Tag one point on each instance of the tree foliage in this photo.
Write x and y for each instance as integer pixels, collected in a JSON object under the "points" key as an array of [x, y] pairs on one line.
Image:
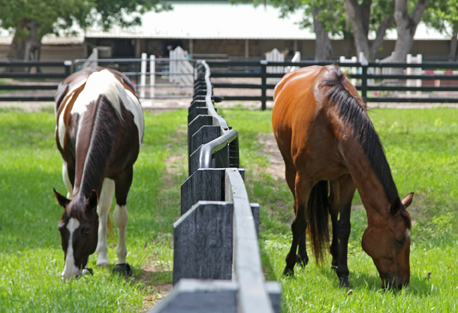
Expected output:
{"points": [[442, 15], [30, 20]]}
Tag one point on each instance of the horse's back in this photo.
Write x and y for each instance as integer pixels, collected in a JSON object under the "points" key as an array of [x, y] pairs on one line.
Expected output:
{"points": [[295, 106], [302, 117], [99, 101]]}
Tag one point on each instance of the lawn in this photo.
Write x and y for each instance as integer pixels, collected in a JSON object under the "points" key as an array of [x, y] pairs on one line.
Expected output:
{"points": [[421, 147], [31, 258]]}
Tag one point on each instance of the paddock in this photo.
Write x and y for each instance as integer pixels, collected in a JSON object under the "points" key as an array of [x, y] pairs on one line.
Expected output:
{"points": [[421, 146]]}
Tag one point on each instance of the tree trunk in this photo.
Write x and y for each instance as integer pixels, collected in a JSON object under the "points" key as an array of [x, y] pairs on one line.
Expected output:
{"points": [[359, 14], [406, 26], [360, 24], [26, 45], [453, 46], [348, 44], [323, 47]]}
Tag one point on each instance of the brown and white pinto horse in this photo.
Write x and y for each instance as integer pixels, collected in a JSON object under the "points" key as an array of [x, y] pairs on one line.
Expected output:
{"points": [[328, 141], [99, 131]]}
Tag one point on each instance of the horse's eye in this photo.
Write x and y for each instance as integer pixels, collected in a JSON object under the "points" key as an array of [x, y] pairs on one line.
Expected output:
{"points": [[399, 242]]}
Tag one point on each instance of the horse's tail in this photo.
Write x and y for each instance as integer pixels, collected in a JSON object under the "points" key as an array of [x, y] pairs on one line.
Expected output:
{"points": [[317, 219]]}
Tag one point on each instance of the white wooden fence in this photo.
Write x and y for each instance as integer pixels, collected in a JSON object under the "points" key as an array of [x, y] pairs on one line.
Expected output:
{"points": [[277, 56]]}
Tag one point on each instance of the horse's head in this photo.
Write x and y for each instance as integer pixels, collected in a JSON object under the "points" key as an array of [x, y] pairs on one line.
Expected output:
{"points": [[78, 228], [388, 244]]}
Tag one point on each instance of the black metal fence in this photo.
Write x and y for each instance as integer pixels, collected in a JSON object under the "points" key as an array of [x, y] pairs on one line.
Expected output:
{"points": [[217, 264], [372, 77], [377, 82], [32, 78]]}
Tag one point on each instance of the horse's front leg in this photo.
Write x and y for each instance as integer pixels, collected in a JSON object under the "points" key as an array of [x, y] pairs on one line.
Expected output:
{"points": [[347, 191], [121, 217], [66, 178], [103, 208]]}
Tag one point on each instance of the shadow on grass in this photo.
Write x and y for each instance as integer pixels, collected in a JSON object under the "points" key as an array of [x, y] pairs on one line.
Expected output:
{"points": [[358, 281]]}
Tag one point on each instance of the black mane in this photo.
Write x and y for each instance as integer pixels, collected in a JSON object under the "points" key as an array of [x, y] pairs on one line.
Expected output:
{"points": [[101, 144], [363, 130]]}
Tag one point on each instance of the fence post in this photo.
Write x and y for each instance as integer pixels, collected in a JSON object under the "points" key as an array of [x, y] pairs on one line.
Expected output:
{"points": [[68, 67], [152, 76], [143, 76], [364, 81], [263, 84]]}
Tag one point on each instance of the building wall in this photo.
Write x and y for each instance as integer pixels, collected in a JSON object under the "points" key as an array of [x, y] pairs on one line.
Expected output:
{"points": [[127, 48], [53, 52]]}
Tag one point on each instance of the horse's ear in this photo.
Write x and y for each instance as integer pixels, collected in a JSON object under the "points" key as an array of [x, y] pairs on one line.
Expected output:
{"points": [[395, 206], [92, 200], [408, 200], [63, 201]]}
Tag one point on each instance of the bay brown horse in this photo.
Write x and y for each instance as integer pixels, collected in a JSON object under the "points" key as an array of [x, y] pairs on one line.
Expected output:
{"points": [[330, 148], [99, 128]]}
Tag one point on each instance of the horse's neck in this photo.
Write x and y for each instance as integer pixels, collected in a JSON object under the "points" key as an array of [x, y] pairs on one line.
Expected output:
{"points": [[370, 188]]}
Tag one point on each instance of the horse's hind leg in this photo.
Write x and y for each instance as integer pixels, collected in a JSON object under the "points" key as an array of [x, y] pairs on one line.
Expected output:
{"points": [[121, 217], [103, 208], [302, 190], [334, 201], [290, 175]]}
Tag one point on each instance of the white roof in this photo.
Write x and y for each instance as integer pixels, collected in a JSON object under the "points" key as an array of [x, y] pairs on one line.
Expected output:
{"points": [[223, 20], [213, 21]]}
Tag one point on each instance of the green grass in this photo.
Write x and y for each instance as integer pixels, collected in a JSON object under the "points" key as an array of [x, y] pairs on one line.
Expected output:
{"points": [[422, 149], [31, 258]]}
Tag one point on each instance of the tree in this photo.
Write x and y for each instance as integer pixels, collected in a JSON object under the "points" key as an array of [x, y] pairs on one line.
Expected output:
{"points": [[443, 16], [30, 20], [366, 16], [323, 16], [406, 26]]}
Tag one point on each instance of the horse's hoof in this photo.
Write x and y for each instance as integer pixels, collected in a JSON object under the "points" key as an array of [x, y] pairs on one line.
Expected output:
{"points": [[123, 269], [344, 283], [87, 271], [288, 272], [301, 262]]}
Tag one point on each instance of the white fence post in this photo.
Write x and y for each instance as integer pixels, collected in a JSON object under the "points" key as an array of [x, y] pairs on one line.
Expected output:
{"points": [[296, 58], [143, 76], [180, 67], [152, 76], [92, 60], [412, 71], [274, 56], [351, 70]]}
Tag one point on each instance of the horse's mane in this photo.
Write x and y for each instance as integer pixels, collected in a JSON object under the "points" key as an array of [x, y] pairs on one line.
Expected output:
{"points": [[355, 115], [101, 142]]}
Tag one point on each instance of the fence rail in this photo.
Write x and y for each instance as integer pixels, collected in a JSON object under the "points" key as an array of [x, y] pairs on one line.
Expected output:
{"points": [[217, 263], [54, 71], [385, 82], [398, 86]]}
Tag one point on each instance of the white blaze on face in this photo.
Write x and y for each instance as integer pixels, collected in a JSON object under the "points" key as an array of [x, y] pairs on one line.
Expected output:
{"points": [[408, 233], [70, 268]]}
